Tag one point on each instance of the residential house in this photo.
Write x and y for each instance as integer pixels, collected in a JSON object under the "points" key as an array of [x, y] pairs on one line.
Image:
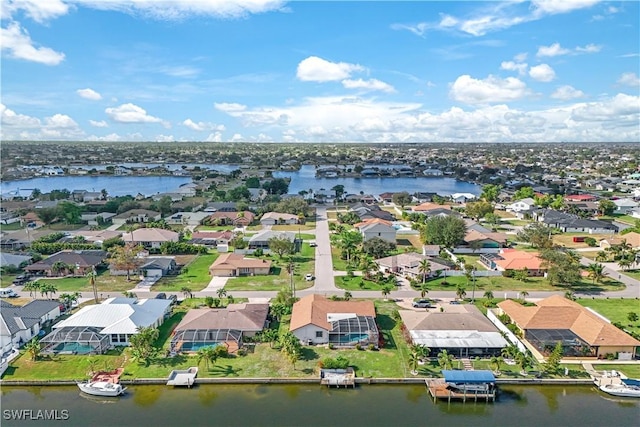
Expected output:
{"points": [[19, 324], [581, 332], [238, 219], [408, 265], [463, 197], [96, 328], [221, 207], [569, 223], [97, 218], [219, 326], [68, 262], [136, 216], [319, 320], [187, 190], [521, 205], [234, 265], [277, 218], [429, 206], [580, 198], [513, 259], [632, 239], [174, 197], [13, 244], [97, 236], [386, 197], [462, 330], [14, 259], [376, 228], [261, 239], [157, 266], [187, 218], [431, 250], [211, 239], [625, 205], [151, 237], [482, 242], [372, 211]]}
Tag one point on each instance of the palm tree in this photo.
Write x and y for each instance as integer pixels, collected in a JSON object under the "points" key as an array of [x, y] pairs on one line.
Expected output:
{"points": [[496, 361], [33, 348], [421, 350], [424, 269], [58, 267], [523, 361], [368, 265], [32, 287], [221, 293], [270, 335], [230, 299], [625, 262], [489, 295], [386, 290], [347, 295], [445, 360], [524, 295], [186, 291], [413, 363], [596, 272], [423, 290], [460, 292], [92, 282], [209, 354], [602, 256], [570, 295]]}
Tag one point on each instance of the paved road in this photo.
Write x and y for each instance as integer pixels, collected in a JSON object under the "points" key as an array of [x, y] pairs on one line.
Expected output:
{"points": [[324, 265], [633, 286]]}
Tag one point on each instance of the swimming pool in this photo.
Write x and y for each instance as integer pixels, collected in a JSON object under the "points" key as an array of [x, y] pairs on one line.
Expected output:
{"points": [[74, 347], [353, 338], [197, 345]]}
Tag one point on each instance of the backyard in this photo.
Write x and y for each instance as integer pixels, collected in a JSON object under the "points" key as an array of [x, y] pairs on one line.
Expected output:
{"points": [[194, 275], [616, 310]]}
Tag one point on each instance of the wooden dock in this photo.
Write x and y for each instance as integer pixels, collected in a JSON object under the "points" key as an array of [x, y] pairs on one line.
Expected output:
{"points": [[338, 377], [183, 377], [439, 389]]}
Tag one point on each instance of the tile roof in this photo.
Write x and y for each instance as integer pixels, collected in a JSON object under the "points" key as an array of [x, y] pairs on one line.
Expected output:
{"points": [[428, 206], [313, 310], [514, 259], [242, 317], [557, 312], [232, 261], [20, 318], [151, 235]]}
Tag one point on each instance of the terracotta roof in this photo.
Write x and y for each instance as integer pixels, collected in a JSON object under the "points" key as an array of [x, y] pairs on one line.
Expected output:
{"points": [[231, 261], [428, 206], [557, 312], [372, 221], [151, 235], [313, 310], [517, 260], [473, 235]]}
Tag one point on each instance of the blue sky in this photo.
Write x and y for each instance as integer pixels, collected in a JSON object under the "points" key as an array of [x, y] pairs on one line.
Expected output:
{"points": [[270, 70]]}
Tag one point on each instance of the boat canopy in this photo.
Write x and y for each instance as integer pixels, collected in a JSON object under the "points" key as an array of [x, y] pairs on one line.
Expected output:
{"points": [[468, 377]]}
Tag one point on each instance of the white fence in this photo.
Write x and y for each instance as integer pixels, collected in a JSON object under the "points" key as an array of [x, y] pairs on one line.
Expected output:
{"points": [[510, 335]]}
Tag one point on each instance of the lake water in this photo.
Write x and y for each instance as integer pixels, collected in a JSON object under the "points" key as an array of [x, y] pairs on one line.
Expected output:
{"points": [[303, 179], [315, 405]]}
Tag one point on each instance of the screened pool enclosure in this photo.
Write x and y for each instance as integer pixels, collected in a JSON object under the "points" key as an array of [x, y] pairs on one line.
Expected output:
{"points": [[75, 340], [354, 330], [191, 340]]}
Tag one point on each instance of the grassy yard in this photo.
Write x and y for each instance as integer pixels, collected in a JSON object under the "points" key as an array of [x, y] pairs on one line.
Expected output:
{"points": [[295, 228], [633, 273], [194, 275], [615, 310], [339, 264], [11, 227], [357, 283], [566, 239], [411, 241], [215, 228], [104, 282], [631, 371]]}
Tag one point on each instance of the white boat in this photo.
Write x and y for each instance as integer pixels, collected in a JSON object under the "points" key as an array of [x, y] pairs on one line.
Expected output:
{"points": [[621, 390], [101, 388]]}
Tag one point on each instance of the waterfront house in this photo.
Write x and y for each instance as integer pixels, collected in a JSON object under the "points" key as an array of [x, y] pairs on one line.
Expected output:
{"points": [[219, 326], [513, 259], [582, 332], [319, 320], [365, 212], [379, 228], [462, 330], [278, 218], [67, 262], [521, 205], [151, 238], [426, 207], [19, 324], [96, 328], [462, 197], [136, 216], [235, 265]]}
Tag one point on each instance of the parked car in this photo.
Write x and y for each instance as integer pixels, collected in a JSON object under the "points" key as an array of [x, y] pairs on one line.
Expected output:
{"points": [[313, 244], [21, 279], [173, 299], [8, 293], [309, 277], [161, 295], [422, 303], [454, 302]]}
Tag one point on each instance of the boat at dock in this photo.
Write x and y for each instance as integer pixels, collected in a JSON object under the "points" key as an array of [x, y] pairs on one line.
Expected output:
{"points": [[101, 388], [621, 390]]}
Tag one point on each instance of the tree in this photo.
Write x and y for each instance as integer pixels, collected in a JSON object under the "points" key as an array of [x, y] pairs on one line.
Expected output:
{"points": [[423, 290], [141, 343], [538, 235], [125, 258], [596, 272], [632, 316], [47, 289], [445, 360], [221, 293], [562, 268], [552, 364], [413, 363], [606, 207], [338, 190], [208, 301], [493, 220], [524, 295], [523, 193], [47, 215], [70, 212], [424, 268], [523, 361], [402, 199], [347, 295], [521, 275], [32, 287], [34, 348], [377, 247], [35, 193], [270, 336], [489, 295], [281, 246], [386, 290], [58, 267], [496, 361], [461, 292], [570, 295], [347, 241], [186, 291], [490, 192], [446, 231], [290, 345], [277, 186], [477, 210], [209, 354]]}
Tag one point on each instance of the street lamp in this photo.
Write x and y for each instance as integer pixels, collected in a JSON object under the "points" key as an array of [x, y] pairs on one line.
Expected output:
{"points": [[473, 278]]}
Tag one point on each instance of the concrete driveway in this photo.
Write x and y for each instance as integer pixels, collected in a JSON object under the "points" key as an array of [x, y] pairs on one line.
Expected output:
{"points": [[324, 265]]}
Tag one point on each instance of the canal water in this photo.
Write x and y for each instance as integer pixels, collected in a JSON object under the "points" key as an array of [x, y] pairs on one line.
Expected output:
{"points": [[315, 405]]}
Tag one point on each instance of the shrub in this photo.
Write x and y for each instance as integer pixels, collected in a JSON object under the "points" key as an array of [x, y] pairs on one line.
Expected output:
{"points": [[590, 241], [331, 346], [241, 352], [358, 346], [339, 362], [508, 273]]}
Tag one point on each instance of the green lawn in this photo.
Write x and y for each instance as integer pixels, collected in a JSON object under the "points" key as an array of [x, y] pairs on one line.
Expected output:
{"points": [[215, 228], [194, 275], [631, 371], [295, 228], [339, 264], [104, 283], [357, 283], [11, 227], [615, 310], [633, 273]]}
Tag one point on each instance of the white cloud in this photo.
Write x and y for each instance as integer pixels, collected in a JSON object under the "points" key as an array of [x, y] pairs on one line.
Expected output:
{"points": [[89, 94], [38, 10], [17, 43], [488, 91], [109, 138], [554, 50], [11, 119], [447, 21], [130, 113], [371, 84], [21, 127], [165, 138], [566, 93], [552, 7], [229, 107], [98, 124], [418, 29], [214, 137], [202, 126], [60, 121], [521, 67], [237, 138], [180, 71], [590, 48], [314, 69], [542, 73], [521, 57], [488, 23], [629, 79]]}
